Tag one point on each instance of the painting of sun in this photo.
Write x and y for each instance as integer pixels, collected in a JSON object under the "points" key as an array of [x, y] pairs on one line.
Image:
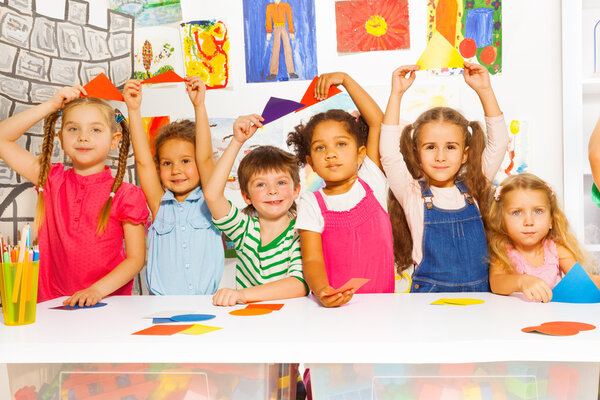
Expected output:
{"points": [[372, 25]]}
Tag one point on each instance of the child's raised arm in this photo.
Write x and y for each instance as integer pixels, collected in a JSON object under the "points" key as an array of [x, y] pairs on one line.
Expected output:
{"points": [[11, 129], [478, 78], [146, 168], [367, 107], [214, 191], [534, 288], [135, 248], [402, 78], [204, 154]]}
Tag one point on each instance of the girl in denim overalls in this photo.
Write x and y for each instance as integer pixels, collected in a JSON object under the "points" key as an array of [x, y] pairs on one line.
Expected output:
{"points": [[440, 178], [345, 230]]}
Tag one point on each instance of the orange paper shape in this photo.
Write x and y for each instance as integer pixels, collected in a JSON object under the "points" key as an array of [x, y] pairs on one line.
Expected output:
{"points": [[250, 311], [163, 330], [165, 77], [559, 328], [272, 306], [354, 283], [102, 88], [309, 96]]}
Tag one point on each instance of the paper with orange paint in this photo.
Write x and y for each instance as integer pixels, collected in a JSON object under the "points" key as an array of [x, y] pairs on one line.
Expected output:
{"points": [[102, 88], [352, 284], [206, 52]]}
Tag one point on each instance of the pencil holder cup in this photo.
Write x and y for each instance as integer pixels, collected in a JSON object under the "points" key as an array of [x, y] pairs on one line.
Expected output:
{"points": [[18, 288]]}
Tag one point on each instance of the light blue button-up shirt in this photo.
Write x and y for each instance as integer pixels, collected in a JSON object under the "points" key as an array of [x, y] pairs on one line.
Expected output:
{"points": [[185, 253]]}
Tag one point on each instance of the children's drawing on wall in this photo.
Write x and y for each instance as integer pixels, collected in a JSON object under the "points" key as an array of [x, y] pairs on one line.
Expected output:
{"points": [[590, 46], [39, 55], [469, 29], [157, 50], [280, 40], [371, 25], [149, 12], [152, 125], [516, 158], [206, 52]]}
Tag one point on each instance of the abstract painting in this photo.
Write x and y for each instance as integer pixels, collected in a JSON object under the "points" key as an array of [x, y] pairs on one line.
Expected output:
{"points": [[280, 40], [473, 27], [516, 159], [157, 50], [206, 52], [371, 25], [149, 12], [152, 125]]}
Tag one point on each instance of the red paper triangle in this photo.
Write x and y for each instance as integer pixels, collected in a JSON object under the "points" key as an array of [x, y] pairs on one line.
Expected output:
{"points": [[309, 96], [102, 88], [165, 77]]}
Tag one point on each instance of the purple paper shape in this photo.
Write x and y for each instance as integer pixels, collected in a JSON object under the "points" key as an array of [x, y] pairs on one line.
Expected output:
{"points": [[277, 108], [76, 307]]}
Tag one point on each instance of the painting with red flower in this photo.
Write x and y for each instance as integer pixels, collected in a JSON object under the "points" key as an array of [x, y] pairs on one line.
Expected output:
{"points": [[372, 25]]}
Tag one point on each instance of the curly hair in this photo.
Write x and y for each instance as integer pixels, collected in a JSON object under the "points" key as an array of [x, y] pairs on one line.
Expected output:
{"points": [[560, 233], [300, 139], [48, 146], [265, 159], [183, 129], [470, 172]]}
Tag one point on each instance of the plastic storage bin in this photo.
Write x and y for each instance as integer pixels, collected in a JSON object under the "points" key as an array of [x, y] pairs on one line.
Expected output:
{"points": [[498, 380], [151, 381]]}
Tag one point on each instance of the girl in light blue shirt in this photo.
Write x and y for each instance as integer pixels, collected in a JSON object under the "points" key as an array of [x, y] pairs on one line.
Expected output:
{"points": [[185, 253]]}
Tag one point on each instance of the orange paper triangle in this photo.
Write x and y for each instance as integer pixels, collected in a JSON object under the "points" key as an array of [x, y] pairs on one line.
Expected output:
{"points": [[102, 88], [165, 77], [309, 96]]}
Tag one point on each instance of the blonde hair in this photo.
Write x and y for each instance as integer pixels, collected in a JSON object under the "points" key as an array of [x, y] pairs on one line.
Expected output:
{"points": [[496, 233], [471, 173], [48, 146]]}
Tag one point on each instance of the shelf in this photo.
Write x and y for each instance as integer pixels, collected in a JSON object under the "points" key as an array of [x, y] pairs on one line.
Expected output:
{"points": [[591, 86]]}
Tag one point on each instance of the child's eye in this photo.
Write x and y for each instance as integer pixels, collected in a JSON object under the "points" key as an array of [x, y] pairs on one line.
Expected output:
{"points": [[319, 148], [451, 147], [260, 185], [341, 144], [430, 147], [72, 129], [282, 183], [516, 212], [166, 163], [538, 211], [97, 130], [186, 161]]}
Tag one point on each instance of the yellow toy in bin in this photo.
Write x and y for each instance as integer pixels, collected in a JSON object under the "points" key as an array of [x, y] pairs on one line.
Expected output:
{"points": [[18, 288]]}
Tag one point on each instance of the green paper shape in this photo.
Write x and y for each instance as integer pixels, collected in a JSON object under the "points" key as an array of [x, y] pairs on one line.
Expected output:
{"points": [[595, 195]]}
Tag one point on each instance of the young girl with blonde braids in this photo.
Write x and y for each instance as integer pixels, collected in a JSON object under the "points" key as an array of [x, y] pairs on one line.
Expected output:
{"points": [[440, 169], [83, 213], [529, 240]]}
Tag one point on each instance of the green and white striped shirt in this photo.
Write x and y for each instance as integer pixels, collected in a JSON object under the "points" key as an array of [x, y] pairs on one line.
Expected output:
{"points": [[257, 264]]}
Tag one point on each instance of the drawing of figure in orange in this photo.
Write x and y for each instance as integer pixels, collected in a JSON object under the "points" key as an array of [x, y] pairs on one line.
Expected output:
{"points": [[277, 14]]}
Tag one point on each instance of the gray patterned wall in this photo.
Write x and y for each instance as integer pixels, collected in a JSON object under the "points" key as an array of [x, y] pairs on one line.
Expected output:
{"points": [[39, 55]]}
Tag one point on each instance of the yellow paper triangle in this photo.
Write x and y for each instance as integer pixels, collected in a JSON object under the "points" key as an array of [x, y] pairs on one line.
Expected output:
{"points": [[198, 329], [439, 53], [457, 302]]}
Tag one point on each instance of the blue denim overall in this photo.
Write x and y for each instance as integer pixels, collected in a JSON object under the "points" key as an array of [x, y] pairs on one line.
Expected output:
{"points": [[455, 256]]}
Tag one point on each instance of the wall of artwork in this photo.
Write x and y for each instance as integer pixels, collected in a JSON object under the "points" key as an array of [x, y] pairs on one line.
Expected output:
{"points": [[229, 41]]}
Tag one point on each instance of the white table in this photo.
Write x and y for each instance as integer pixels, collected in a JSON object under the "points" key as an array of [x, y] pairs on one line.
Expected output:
{"points": [[394, 328]]}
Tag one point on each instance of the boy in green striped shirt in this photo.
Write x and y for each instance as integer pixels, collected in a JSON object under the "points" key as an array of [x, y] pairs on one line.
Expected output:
{"points": [[269, 264]]}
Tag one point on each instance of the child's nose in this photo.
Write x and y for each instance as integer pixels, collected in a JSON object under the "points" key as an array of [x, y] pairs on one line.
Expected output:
{"points": [[528, 219]]}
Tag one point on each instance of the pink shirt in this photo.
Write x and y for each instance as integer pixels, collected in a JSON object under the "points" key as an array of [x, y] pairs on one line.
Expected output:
{"points": [[549, 272], [408, 191], [72, 256]]}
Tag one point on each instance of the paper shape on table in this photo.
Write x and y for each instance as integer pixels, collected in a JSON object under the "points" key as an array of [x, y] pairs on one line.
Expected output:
{"points": [[162, 330], [250, 311], [76, 307], [277, 108], [198, 329], [309, 96], [559, 328], [192, 317], [354, 283], [102, 88], [162, 320], [439, 53], [165, 77], [267, 306], [168, 314], [576, 287], [457, 302]]}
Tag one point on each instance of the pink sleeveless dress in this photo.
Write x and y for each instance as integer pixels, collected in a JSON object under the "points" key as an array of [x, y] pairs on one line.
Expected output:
{"points": [[549, 271]]}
